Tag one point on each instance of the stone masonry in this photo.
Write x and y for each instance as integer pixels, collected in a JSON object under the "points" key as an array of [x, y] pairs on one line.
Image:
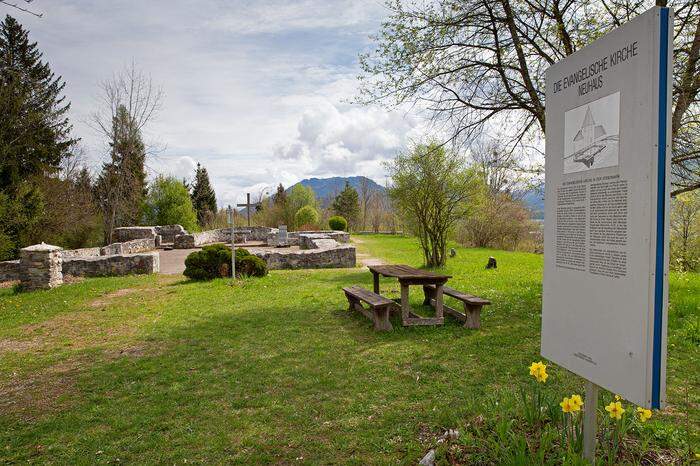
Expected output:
{"points": [[111, 266], [40, 267]]}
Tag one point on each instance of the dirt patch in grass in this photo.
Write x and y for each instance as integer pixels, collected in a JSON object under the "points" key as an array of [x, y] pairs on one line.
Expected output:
{"points": [[31, 395], [105, 299], [9, 284]]}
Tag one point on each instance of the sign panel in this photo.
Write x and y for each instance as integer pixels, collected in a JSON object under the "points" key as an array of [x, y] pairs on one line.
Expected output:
{"points": [[604, 303]]}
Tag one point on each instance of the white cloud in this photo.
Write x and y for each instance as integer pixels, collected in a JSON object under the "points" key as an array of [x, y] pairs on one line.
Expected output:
{"points": [[255, 90]]}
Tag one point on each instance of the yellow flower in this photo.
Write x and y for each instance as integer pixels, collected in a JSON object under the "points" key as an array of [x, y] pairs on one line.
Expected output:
{"points": [[615, 409], [618, 397], [536, 368], [539, 371], [542, 377], [577, 402], [644, 414], [567, 405]]}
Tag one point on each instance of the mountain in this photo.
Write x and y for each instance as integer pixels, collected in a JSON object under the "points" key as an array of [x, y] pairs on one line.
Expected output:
{"points": [[327, 188], [534, 200]]}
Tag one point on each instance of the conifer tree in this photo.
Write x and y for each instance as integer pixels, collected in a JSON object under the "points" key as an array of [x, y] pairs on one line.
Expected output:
{"points": [[347, 204], [34, 132], [203, 196], [121, 187]]}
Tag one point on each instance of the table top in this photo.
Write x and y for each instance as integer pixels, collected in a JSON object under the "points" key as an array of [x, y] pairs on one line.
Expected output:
{"points": [[406, 272]]}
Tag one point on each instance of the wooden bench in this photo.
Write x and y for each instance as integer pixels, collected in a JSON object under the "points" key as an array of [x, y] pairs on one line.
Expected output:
{"points": [[471, 317], [380, 307]]}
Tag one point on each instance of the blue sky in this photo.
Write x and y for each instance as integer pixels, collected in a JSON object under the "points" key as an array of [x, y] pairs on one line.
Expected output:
{"points": [[256, 91]]}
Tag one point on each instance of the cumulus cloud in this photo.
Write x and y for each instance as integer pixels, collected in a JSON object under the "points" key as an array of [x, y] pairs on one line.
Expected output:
{"points": [[335, 139]]}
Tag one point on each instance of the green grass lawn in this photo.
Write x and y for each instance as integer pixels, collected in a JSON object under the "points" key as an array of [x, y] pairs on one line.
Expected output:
{"points": [[157, 369]]}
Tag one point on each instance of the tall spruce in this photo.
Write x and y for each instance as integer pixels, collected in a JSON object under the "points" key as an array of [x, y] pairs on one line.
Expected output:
{"points": [[121, 187], [34, 132], [347, 204], [203, 196]]}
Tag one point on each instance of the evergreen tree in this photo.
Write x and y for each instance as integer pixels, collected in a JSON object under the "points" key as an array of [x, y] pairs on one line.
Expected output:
{"points": [[347, 204], [203, 196], [280, 197], [34, 132], [121, 187]]}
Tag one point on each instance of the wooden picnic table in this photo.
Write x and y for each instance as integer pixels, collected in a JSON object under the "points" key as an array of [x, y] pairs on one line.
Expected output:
{"points": [[407, 276]]}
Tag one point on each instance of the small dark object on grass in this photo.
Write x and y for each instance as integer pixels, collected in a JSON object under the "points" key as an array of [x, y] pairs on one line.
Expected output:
{"points": [[492, 263], [453, 252]]}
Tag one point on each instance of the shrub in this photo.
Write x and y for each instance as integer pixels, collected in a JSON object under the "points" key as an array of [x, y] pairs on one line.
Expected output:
{"points": [[214, 261], [338, 223], [251, 266], [307, 215], [210, 262]]}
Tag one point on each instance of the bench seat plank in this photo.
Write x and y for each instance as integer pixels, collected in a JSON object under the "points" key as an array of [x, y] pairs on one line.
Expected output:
{"points": [[471, 299], [373, 299], [380, 307]]}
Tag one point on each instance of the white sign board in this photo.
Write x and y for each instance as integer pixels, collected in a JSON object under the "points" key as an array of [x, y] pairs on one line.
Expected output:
{"points": [[604, 303]]}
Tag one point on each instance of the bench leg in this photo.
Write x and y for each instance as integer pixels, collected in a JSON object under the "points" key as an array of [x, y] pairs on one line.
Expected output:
{"points": [[472, 314], [381, 319], [429, 294]]}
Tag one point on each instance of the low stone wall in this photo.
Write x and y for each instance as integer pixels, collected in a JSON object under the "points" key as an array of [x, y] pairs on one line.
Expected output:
{"points": [[169, 232], [130, 233], [342, 256], [129, 247], [221, 235], [109, 266], [9, 271], [83, 252]]}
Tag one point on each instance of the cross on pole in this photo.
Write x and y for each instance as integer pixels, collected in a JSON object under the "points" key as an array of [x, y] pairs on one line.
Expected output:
{"points": [[248, 205]]}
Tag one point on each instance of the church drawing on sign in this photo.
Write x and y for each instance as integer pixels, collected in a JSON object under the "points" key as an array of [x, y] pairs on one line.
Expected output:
{"points": [[592, 140]]}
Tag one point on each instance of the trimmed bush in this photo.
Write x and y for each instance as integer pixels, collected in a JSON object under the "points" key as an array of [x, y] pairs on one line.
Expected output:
{"points": [[252, 266], [210, 262], [338, 223], [214, 261], [307, 215]]}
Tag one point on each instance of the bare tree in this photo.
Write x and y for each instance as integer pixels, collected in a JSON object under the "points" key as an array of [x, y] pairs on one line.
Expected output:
{"points": [[475, 64], [17, 6], [128, 102], [132, 90]]}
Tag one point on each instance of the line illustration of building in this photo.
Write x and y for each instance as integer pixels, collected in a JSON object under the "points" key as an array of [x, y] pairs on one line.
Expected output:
{"points": [[590, 140]]}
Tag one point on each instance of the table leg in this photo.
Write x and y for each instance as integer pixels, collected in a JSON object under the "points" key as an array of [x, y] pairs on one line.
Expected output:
{"points": [[405, 305], [438, 301], [375, 277]]}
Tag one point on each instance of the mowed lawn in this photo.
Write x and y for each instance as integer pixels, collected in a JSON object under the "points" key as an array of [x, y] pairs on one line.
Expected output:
{"points": [[158, 369]]}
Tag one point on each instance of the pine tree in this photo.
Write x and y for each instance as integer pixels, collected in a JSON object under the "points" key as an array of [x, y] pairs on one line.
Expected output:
{"points": [[280, 197], [347, 204], [203, 196], [34, 132], [121, 187]]}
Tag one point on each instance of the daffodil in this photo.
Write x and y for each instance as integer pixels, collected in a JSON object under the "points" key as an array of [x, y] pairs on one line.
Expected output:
{"points": [[618, 397], [644, 414], [539, 371], [615, 409], [577, 402], [542, 377], [537, 367], [567, 405]]}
